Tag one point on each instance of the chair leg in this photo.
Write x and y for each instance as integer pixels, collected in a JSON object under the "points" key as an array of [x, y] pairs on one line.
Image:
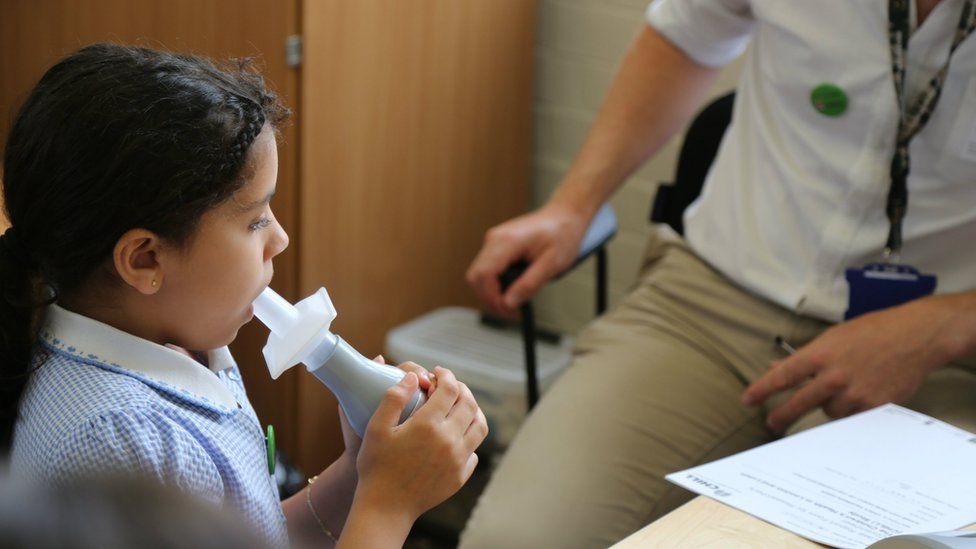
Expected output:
{"points": [[601, 280], [528, 340], [529, 332]]}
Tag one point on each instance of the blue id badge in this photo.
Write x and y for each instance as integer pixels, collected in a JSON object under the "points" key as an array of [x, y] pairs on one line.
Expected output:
{"points": [[882, 285]]}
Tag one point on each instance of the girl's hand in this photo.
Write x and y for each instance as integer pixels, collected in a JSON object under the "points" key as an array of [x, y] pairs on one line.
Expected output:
{"points": [[407, 469], [427, 380], [350, 439]]}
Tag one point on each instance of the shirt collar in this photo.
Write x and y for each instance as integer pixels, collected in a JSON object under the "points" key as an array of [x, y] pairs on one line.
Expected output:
{"points": [[102, 345]]}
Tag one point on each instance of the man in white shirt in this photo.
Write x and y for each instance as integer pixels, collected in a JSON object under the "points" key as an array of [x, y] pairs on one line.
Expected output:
{"points": [[684, 370]]}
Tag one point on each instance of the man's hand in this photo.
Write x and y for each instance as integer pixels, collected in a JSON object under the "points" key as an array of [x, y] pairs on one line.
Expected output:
{"points": [[871, 360], [548, 239], [657, 89]]}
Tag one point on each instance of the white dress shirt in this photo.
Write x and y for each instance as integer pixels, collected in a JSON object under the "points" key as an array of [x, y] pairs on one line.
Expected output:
{"points": [[796, 197]]}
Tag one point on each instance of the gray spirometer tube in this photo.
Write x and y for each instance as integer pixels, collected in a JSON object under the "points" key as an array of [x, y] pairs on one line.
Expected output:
{"points": [[300, 333]]}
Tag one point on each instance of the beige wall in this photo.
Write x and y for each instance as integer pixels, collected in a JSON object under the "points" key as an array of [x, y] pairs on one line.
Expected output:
{"points": [[578, 47]]}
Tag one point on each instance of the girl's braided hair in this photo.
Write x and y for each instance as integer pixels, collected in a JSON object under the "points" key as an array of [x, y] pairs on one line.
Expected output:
{"points": [[113, 138]]}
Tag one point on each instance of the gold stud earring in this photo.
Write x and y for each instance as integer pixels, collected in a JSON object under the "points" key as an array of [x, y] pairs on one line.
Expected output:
{"points": [[154, 283]]}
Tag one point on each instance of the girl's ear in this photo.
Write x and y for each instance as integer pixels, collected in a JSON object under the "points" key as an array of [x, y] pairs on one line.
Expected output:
{"points": [[137, 260]]}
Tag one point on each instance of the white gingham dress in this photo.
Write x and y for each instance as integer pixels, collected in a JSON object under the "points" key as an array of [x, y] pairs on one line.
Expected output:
{"points": [[105, 401]]}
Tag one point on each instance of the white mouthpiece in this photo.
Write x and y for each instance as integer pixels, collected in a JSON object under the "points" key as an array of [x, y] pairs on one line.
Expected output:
{"points": [[295, 330], [301, 334], [275, 312]]}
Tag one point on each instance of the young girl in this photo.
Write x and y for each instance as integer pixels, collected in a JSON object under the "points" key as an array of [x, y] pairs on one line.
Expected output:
{"points": [[137, 184]]}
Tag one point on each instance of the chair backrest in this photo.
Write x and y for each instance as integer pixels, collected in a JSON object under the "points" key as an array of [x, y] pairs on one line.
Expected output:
{"points": [[697, 153]]}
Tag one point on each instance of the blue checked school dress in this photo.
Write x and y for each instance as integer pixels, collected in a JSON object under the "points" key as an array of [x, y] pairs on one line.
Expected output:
{"points": [[104, 401]]}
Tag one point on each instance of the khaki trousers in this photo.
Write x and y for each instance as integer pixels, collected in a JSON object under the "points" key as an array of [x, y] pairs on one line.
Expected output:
{"points": [[654, 388]]}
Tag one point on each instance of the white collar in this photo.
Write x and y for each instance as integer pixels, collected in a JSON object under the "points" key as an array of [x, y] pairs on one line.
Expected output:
{"points": [[102, 345]]}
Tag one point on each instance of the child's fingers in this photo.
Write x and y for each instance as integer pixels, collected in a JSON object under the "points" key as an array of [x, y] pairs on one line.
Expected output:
{"points": [[433, 385], [469, 467], [444, 397], [464, 411], [394, 401], [421, 372], [476, 432]]}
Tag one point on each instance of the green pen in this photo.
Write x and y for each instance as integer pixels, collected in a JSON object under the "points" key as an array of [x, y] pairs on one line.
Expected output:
{"points": [[270, 441]]}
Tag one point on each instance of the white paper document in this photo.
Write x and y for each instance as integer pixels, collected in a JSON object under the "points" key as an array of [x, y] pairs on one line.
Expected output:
{"points": [[853, 481]]}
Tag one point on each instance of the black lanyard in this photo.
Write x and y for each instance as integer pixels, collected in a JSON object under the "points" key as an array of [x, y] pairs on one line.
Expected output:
{"points": [[912, 118]]}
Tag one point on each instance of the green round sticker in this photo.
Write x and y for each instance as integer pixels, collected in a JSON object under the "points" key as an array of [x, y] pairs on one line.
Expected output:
{"points": [[271, 449], [829, 99]]}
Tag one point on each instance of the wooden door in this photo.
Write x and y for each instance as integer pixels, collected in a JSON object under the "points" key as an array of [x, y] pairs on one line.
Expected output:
{"points": [[416, 138], [35, 34]]}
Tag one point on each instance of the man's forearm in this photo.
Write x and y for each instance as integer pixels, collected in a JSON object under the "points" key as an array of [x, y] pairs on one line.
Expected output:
{"points": [[656, 90]]}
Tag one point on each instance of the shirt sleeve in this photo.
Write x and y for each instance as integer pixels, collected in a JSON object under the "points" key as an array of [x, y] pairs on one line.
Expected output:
{"points": [[142, 443], [712, 32]]}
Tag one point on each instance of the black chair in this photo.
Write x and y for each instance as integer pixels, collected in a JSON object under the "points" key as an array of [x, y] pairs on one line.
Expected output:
{"points": [[698, 150], [601, 230], [695, 159]]}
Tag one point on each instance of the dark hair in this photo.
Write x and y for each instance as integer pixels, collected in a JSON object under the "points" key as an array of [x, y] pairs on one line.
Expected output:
{"points": [[113, 138], [116, 513]]}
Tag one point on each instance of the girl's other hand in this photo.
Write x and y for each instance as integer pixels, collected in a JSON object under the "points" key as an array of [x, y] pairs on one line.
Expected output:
{"points": [[350, 439], [406, 469], [425, 377]]}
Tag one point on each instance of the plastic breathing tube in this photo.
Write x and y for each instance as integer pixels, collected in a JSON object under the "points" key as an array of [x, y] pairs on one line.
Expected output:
{"points": [[300, 333]]}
